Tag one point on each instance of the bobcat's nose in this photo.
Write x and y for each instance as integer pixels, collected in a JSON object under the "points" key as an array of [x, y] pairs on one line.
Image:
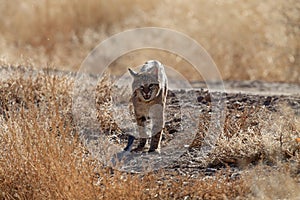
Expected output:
{"points": [[146, 90], [147, 95]]}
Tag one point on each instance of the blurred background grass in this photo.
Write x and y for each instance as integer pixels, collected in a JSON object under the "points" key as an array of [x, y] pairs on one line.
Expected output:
{"points": [[248, 40]]}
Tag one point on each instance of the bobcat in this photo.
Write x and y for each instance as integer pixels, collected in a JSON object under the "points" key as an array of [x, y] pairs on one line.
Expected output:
{"points": [[149, 92]]}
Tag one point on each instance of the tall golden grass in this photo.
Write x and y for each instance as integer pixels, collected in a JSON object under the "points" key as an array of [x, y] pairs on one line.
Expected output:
{"points": [[248, 40]]}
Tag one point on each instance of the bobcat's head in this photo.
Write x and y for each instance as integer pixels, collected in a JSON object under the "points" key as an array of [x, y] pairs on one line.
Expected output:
{"points": [[145, 83]]}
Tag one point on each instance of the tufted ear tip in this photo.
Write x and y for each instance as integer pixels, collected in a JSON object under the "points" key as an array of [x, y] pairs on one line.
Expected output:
{"points": [[133, 73]]}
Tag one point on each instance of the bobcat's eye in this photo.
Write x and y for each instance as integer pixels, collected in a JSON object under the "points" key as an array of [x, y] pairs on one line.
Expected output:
{"points": [[142, 87], [151, 85]]}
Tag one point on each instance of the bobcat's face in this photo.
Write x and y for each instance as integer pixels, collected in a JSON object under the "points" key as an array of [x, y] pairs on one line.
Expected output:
{"points": [[146, 84], [147, 92]]}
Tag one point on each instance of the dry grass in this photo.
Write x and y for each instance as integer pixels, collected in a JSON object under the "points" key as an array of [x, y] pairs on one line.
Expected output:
{"points": [[264, 144], [42, 157], [104, 105], [255, 135], [267, 183], [248, 40]]}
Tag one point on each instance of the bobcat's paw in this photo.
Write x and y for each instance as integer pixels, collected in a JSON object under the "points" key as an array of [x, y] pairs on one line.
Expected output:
{"points": [[155, 151]]}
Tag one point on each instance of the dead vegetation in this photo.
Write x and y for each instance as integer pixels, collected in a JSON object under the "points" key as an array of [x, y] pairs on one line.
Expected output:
{"points": [[42, 157], [258, 135], [254, 133]]}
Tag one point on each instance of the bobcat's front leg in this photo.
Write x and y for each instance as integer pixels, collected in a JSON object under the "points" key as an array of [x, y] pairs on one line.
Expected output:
{"points": [[129, 143], [141, 122], [157, 117]]}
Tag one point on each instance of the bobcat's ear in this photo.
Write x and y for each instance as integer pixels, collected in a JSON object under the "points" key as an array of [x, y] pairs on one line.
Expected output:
{"points": [[133, 73]]}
